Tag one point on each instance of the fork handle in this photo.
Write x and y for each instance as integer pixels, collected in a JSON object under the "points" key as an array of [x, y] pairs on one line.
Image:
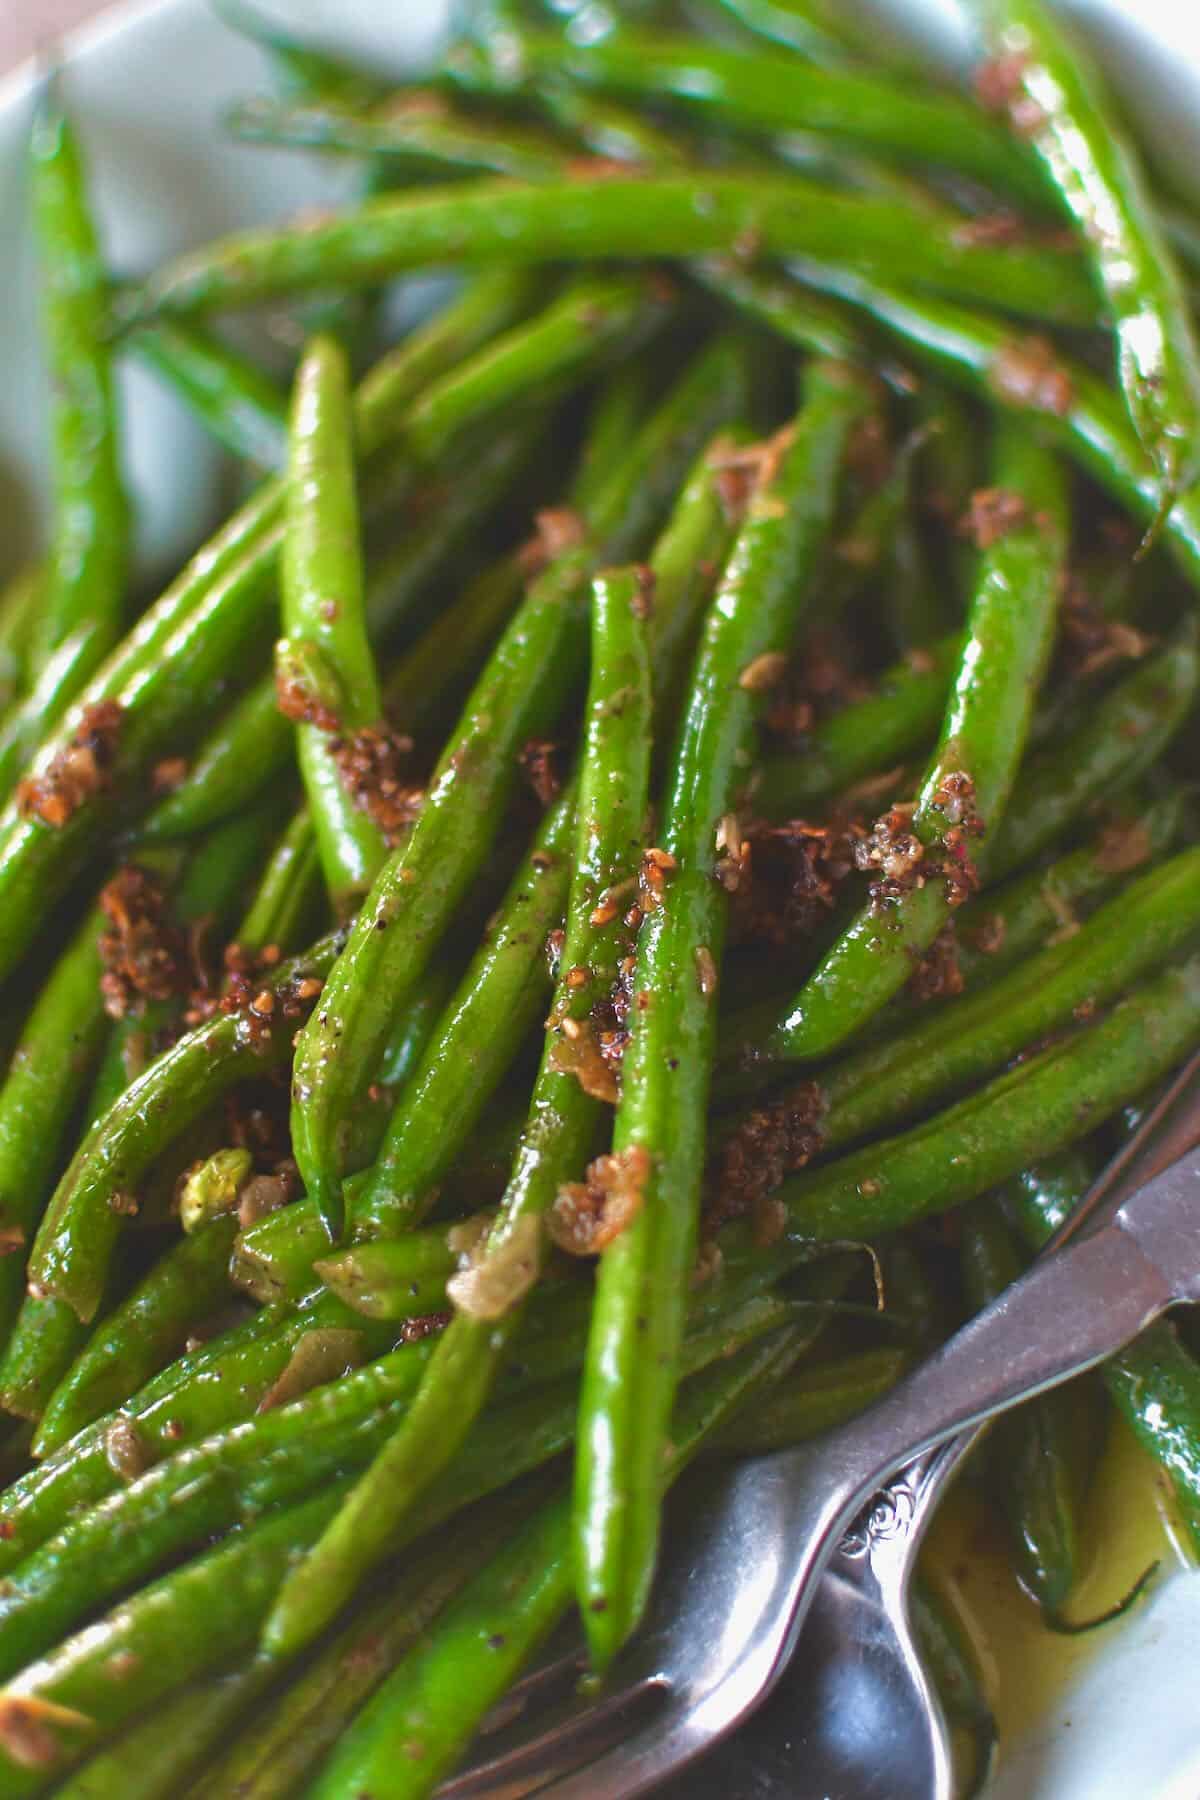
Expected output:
{"points": [[1066, 1314]]}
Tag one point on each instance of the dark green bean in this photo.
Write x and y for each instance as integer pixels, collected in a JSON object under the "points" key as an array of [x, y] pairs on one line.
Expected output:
{"points": [[814, 1400], [288, 898], [253, 742], [178, 1739], [20, 603], [1002, 925], [416, 126], [645, 215], [900, 717], [629, 1377], [1124, 734]]}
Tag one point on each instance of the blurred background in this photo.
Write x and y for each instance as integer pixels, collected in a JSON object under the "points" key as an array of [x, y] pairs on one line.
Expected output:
{"points": [[26, 23]]}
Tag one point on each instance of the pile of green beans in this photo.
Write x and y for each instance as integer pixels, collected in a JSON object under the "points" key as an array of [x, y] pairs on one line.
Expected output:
{"points": [[702, 881]]}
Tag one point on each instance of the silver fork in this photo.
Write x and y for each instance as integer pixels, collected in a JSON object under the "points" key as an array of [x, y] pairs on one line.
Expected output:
{"points": [[741, 1570]]}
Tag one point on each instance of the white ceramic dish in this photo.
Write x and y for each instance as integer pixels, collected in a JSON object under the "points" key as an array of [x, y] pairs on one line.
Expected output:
{"points": [[146, 82]]}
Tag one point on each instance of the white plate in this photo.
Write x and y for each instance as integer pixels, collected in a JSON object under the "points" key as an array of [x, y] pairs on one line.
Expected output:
{"points": [[145, 84]]}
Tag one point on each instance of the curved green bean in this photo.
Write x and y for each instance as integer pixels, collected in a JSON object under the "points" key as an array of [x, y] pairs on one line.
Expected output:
{"points": [[642, 215]]}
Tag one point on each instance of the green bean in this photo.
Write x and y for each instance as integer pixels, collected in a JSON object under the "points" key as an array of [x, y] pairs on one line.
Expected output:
{"points": [[564, 1111], [63, 1034], [814, 1400], [517, 696], [1038, 1461], [609, 129], [83, 599], [45, 1340], [949, 1655], [970, 776], [881, 1085], [1055, 101], [187, 1286], [178, 1739], [269, 1758], [761, 92], [900, 716], [630, 1374], [1122, 737], [185, 645], [77, 1237], [500, 995], [1043, 1106], [253, 743], [1002, 925], [47, 1335], [420, 1720], [431, 677], [414, 127], [152, 1643], [20, 603], [272, 1459], [240, 405], [219, 1384], [617, 411], [91, 1675], [1154, 1382], [1074, 411], [323, 614], [288, 896], [594, 217]]}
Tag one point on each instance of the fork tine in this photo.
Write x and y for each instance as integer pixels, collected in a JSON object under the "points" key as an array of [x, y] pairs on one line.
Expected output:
{"points": [[573, 1735]]}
